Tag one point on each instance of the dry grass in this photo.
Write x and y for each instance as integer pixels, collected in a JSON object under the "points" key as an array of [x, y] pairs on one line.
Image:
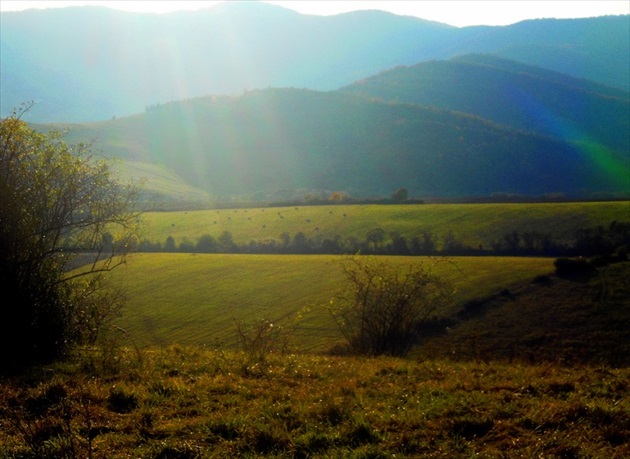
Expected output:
{"points": [[571, 320], [192, 403]]}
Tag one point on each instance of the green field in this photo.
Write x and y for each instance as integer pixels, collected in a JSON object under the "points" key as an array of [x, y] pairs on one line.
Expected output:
{"points": [[471, 224], [195, 298]]}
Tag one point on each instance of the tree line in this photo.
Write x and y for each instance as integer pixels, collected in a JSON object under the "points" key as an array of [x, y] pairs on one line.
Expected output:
{"points": [[614, 238]]}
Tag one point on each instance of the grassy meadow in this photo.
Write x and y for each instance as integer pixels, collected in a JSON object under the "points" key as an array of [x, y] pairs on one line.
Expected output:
{"points": [[471, 224], [195, 298]]}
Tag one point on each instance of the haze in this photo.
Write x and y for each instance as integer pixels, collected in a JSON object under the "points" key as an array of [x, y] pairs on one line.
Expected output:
{"points": [[456, 13]]}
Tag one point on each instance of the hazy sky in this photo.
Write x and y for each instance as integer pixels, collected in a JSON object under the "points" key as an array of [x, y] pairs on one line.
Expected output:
{"points": [[454, 12]]}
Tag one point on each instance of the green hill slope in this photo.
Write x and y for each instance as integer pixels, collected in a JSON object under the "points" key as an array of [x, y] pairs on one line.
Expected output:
{"points": [[511, 94], [271, 143], [195, 298]]}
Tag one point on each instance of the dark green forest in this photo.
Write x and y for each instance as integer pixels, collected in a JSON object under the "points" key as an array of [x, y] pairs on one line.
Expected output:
{"points": [[510, 93]]}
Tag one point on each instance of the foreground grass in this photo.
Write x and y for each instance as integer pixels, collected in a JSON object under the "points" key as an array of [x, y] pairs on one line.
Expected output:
{"points": [[192, 403], [196, 298]]}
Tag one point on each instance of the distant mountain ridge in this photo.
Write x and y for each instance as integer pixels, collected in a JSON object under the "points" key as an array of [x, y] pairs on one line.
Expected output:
{"points": [[91, 63]]}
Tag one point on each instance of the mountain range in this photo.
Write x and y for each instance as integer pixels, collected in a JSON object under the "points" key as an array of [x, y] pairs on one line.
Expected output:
{"points": [[251, 101], [92, 63]]}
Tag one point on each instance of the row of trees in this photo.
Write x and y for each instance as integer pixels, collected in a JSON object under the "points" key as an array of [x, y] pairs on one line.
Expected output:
{"points": [[586, 242]]}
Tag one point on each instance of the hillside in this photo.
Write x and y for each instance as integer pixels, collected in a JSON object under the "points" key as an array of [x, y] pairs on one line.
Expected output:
{"points": [[91, 63], [284, 143], [512, 94], [571, 320], [196, 298]]}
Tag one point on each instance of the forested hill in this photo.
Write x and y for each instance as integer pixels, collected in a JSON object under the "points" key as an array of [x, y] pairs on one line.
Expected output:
{"points": [[513, 94], [91, 63], [283, 143]]}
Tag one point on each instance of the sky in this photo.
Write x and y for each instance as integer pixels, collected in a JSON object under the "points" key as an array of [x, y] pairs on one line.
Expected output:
{"points": [[460, 13]]}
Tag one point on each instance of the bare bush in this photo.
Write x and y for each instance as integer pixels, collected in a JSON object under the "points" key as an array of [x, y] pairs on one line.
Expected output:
{"points": [[382, 307]]}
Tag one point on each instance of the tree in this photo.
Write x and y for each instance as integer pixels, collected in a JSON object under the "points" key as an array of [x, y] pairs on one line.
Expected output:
{"points": [[382, 307], [338, 196], [398, 246], [424, 246], [400, 195], [374, 238], [60, 208], [226, 243], [169, 245], [207, 244], [300, 243]]}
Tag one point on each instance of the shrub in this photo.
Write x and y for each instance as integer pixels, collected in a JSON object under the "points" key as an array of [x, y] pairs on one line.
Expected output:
{"points": [[381, 309], [261, 339]]}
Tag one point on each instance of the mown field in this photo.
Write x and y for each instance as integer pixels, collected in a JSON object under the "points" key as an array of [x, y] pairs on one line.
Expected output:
{"points": [[470, 224], [195, 298]]}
